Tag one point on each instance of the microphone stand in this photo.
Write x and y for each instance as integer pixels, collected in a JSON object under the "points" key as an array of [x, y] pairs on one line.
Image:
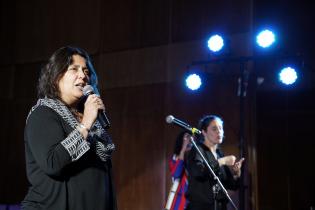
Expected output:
{"points": [[216, 187]]}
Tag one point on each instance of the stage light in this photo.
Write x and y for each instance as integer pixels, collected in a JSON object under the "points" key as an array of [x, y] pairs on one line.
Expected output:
{"points": [[193, 81], [215, 43], [288, 76], [265, 38]]}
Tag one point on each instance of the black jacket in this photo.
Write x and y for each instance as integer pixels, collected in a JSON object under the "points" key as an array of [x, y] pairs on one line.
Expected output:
{"points": [[200, 180], [65, 171]]}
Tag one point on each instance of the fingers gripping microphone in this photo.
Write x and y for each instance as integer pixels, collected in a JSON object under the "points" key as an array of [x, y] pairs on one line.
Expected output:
{"points": [[171, 119], [102, 118]]}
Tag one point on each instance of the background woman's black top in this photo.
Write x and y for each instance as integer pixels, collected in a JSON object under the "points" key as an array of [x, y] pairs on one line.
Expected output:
{"points": [[200, 181]]}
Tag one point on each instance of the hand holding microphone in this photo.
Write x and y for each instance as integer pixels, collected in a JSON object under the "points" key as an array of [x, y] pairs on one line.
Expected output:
{"points": [[94, 109]]}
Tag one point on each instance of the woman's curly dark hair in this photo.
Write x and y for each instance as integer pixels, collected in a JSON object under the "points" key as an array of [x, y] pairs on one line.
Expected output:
{"points": [[179, 142], [56, 67]]}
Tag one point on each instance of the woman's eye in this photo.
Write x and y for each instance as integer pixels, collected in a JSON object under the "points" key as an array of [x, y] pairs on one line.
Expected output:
{"points": [[216, 129], [73, 69], [86, 72]]}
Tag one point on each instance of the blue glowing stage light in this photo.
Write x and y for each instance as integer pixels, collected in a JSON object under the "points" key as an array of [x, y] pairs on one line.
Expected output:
{"points": [[215, 43], [193, 82], [288, 76], [265, 38]]}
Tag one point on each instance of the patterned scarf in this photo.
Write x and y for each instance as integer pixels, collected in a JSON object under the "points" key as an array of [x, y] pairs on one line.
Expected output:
{"points": [[103, 142]]}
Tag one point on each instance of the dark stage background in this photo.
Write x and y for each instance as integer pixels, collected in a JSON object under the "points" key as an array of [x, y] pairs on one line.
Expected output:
{"points": [[141, 50]]}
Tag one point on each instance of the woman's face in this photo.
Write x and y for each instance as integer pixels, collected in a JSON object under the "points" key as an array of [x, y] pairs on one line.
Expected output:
{"points": [[186, 142], [74, 79], [214, 132]]}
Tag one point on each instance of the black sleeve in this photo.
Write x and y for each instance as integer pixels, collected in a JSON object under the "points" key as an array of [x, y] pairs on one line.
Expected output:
{"points": [[230, 182], [195, 165], [48, 141]]}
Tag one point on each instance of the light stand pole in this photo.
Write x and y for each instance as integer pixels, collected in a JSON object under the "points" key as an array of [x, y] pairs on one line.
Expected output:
{"points": [[242, 92]]}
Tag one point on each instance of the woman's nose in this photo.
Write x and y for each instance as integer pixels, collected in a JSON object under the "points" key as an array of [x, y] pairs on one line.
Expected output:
{"points": [[81, 73]]}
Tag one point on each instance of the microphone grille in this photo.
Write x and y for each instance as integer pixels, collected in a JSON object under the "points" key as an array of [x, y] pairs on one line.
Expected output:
{"points": [[169, 119], [88, 89]]}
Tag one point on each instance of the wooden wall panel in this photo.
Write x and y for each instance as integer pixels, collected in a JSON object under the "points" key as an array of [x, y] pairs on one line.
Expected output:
{"points": [[137, 129], [198, 19], [141, 50], [285, 149], [42, 27], [7, 32]]}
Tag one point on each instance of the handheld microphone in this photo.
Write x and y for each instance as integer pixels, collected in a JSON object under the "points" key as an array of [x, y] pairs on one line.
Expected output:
{"points": [[101, 117], [171, 119]]}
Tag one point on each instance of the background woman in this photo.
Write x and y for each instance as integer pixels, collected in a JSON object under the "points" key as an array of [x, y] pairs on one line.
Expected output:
{"points": [[200, 189], [176, 199]]}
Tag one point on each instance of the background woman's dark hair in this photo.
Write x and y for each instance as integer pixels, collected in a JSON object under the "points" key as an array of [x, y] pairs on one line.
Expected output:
{"points": [[55, 68], [179, 142], [206, 120]]}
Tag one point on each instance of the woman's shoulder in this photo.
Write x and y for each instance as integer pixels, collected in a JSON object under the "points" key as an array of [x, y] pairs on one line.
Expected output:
{"points": [[41, 113], [45, 106]]}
